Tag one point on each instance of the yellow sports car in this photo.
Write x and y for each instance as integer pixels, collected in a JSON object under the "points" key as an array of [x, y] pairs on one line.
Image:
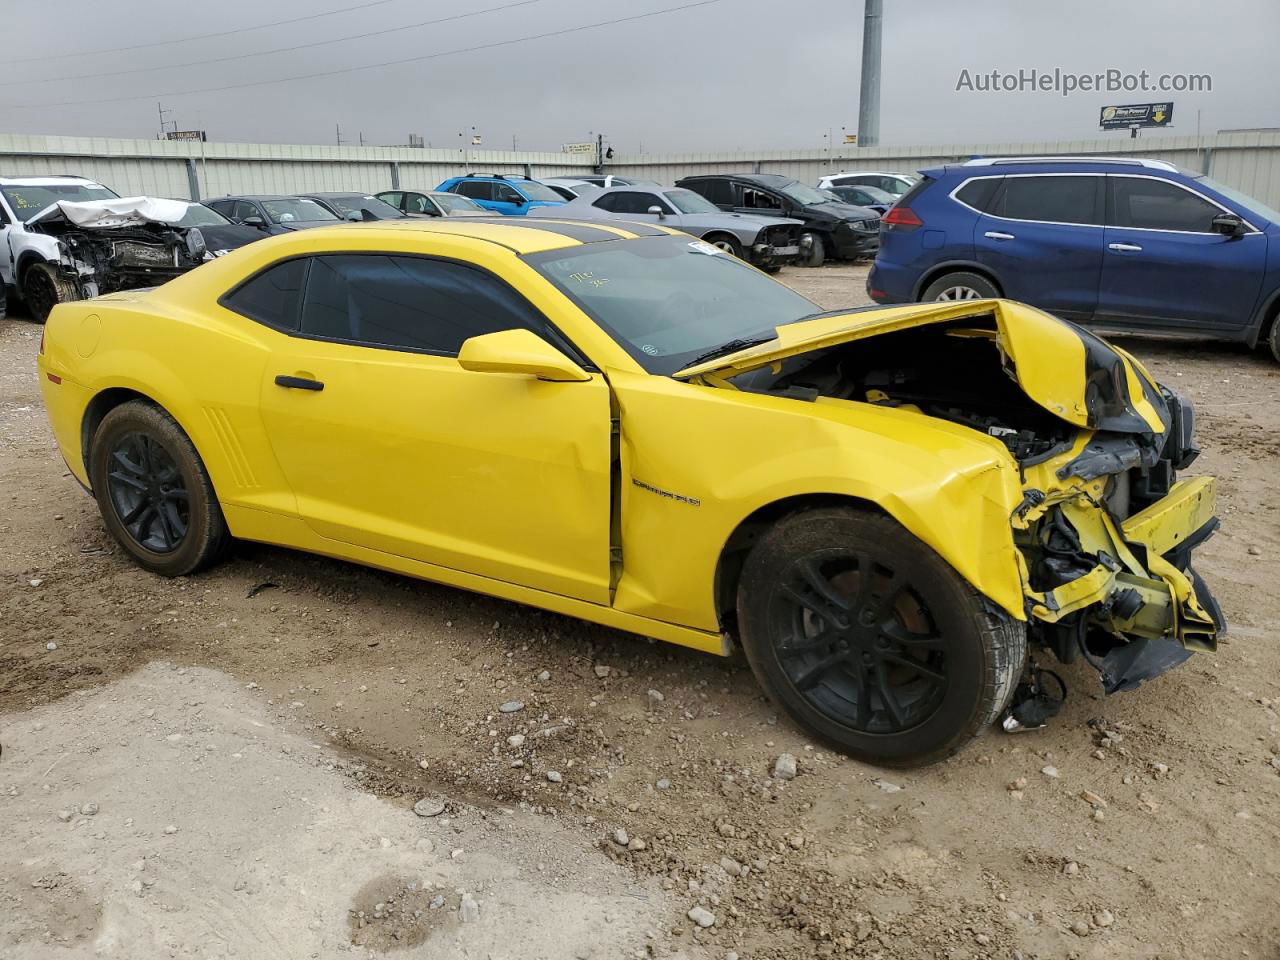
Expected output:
{"points": [[621, 423]]}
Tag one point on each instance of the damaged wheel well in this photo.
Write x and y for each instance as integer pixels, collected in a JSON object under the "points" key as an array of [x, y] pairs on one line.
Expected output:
{"points": [[745, 535], [99, 407], [25, 263]]}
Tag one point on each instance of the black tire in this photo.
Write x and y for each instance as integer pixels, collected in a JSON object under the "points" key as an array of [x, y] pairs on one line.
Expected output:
{"points": [[4, 301], [1273, 339], [43, 289], [817, 255], [726, 243], [154, 492], [901, 668], [771, 268], [961, 285]]}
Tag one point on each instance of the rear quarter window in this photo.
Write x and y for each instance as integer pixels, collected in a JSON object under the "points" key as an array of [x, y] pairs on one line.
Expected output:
{"points": [[978, 194], [272, 297]]}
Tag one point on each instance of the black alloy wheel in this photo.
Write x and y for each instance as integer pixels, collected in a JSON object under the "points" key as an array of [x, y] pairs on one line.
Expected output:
{"points": [[859, 642], [869, 640], [154, 493], [148, 493]]}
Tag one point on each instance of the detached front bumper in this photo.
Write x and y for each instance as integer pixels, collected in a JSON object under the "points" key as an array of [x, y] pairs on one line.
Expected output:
{"points": [[1141, 592]]}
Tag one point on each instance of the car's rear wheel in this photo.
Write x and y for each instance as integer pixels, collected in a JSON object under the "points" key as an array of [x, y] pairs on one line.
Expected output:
{"points": [[814, 254], [43, 289], [154, 492], [726, 243], [1273, 339], [868, 639], [961, 285]]}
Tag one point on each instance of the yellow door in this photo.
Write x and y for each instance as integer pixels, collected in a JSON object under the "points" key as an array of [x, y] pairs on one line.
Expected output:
{"points": [[497, 474]]}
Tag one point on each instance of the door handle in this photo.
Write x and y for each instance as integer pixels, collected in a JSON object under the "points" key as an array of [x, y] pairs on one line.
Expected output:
{"points": [[298, 383], [1125, 247], [997, 235]]}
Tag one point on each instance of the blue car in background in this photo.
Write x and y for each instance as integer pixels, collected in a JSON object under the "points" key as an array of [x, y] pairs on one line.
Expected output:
{"points": [[508, 194], [1123, 244]]}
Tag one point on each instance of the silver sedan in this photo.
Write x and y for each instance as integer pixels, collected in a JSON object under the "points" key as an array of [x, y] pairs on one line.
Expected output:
{"points": [[768, 242]]}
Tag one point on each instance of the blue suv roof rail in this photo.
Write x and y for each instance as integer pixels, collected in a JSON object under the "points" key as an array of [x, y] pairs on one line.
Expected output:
{"points": [[1119, 161], [501, 176]]}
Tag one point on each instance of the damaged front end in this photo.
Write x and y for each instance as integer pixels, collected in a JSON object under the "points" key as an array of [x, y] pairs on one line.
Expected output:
{"points": [[110, 245], [1104, 529]]}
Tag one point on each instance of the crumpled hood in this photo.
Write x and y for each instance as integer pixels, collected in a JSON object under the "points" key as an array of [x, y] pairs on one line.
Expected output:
{"points": [[116, 212], [1068, 371]]}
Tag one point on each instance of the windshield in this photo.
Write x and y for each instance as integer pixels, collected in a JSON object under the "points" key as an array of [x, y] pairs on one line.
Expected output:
{"points": [[26, 202], [802, 194], [686, 201], [539, 191], [1243, 199], [295, 208], [358, 204], [668, 300], [454, 203], [198, 215]]}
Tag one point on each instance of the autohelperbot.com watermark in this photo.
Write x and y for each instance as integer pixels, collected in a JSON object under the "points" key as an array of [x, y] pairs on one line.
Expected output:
{"points": [[1066, 82]]}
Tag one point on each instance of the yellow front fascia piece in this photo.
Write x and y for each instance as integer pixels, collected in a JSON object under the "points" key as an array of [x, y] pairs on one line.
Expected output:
{"points": [[1170, 606]]}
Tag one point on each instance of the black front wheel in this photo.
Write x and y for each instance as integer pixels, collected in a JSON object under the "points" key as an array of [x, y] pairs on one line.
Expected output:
{"points": [[43, 289], [868, 639], [154, 492]]}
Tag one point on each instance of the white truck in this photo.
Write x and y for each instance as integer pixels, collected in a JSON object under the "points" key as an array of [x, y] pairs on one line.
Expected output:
{"points": [[29, 259]]}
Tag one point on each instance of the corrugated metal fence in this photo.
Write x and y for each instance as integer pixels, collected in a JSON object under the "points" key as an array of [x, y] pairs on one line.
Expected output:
{"points": [[1248, 161]]}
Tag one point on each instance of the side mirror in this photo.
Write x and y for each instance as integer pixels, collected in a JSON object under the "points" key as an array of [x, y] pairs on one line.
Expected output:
{"points": [[254, 222], [657, 211], [518, 351], [353, 216], [1228, 224], [518, 201]]}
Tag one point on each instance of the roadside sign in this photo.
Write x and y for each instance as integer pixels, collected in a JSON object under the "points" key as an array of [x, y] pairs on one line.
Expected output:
{"points": [[850, 138], [197, 135], [589, 147], [1128, 115], [475, 140]]}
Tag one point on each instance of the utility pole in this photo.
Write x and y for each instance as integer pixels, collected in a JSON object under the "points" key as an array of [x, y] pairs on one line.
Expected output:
{"points": [[869, 91], [599, 153], [337, 127], [163, 122]]}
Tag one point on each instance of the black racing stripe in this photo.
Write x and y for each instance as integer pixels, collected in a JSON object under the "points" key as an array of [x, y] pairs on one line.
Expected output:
{"points": [[639, 229], [582, 232]]}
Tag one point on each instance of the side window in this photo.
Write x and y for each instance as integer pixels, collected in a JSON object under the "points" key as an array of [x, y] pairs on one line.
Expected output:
{"points": [[408, 303], [845, 181], [608, 202], [1144, 204], [979, 193], [244, 208], [476, 189], [1050, 198], [506, 193], [393, 197], [223, 207], [759, 200], [717, 191], [417, 203], [271, 297], [634, 202]]}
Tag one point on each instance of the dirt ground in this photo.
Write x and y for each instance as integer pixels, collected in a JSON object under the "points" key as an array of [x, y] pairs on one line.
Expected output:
{"points": [[316, 702]]}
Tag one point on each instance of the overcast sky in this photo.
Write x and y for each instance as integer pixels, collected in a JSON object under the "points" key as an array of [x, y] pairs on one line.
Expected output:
{"points": [[727, 75]]}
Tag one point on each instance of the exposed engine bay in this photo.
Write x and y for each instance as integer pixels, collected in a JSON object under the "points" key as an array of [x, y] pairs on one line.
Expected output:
{"points": [[123, 244], [1104, 530]]}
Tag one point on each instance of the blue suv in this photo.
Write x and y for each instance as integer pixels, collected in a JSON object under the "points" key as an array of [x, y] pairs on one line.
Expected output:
{"points": [[1123, 244], [508, 194]]}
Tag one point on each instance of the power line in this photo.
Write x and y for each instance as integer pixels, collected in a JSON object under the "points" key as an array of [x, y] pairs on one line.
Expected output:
{"points": [[266, 53], [368, 66], [200, 36]]}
